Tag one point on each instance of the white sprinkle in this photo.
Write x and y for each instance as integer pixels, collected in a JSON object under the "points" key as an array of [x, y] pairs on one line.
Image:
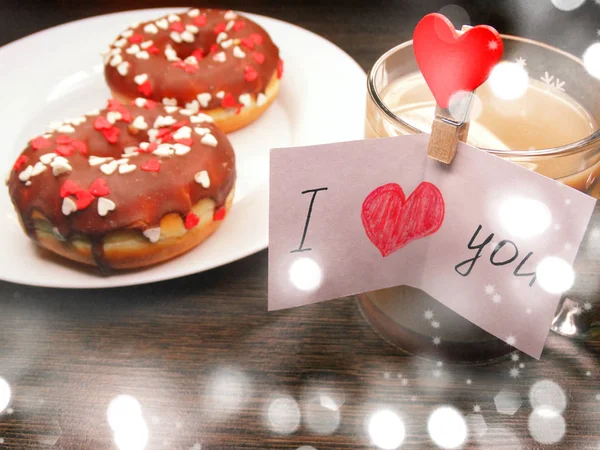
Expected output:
{"points": [[261, 99], [164, 121], [127, 168], [238, 52], [192, 28], [169, 101], [202, 179], [125, 155], [173, 18], [230, 15], [47, 158], [146, 44], [142, 55], [116, 60], [220, 94], [122, 161], [113, 116], [193, 106], [152, 234], [191, 60], [38, 168], [204, 99], [201, 131], [60, 165], [97, 160], [163, 150], [139, 123], [193, 12], [132, 50], [185, 112], [25, 175], [127, 33], [144, 145], [105, 206], [187, 36], [183, 133], [245, 99], [230, 25], [93, 112], [130, 150], [162, 23], [47, 135], [176, 37], [78, 120], [54, 125], [152, 134], [171, 54], [120, 43], [151, 28], [68, 206], [210, 140], [221, 37], [140, 102], [201, 118], [181, 149], [66, 128], [109, 168], [141, 79], [228, 43]]}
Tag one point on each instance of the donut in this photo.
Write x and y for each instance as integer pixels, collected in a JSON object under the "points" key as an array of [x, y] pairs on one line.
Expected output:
{"points": [[125, 187], [204, 60]]}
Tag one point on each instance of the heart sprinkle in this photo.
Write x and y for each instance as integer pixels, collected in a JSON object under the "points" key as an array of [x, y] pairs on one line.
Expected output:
{"points": [[202, 179], [152, 234], [105, 206], [191, 220]]}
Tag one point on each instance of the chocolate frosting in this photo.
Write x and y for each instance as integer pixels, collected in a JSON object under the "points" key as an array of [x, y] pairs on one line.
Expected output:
{"points": [[169, 79], [141, 197]]}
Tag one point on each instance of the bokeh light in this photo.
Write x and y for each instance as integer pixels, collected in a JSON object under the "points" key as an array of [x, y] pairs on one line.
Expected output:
{"points": [[386, 429], [5, 394], [124, 416], [305, 274], [447, 427], [321, 415], [226, 392], [457, 15], [567, 5], [548, 395], [591, 59], [524, 217], [508, 80], [546, 426], [283, 415], [555, 275]]}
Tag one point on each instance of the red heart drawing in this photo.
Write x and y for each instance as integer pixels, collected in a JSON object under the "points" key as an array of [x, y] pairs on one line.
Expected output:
{"points": [[391, 220], [451, 62]]}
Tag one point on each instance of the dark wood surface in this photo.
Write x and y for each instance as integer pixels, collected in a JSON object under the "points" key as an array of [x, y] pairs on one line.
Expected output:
{"points": [[202, 355]]}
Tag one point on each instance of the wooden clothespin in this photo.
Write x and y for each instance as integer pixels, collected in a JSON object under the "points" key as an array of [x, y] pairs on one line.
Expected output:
{"points": [[453, 62]]}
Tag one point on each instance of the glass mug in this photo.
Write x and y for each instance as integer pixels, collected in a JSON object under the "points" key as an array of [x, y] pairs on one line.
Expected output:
{"points": [[539, 109]]}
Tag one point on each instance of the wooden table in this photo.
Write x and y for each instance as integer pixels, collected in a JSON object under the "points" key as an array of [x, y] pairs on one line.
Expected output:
{"points": [[212, 369]]}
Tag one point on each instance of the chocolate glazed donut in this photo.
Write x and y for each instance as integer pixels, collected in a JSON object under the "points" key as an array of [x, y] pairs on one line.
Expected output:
{"points": [[124, 187], [213, 61]]}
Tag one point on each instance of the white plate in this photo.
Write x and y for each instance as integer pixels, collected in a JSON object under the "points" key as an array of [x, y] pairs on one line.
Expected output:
{"points": [[58, 73]]}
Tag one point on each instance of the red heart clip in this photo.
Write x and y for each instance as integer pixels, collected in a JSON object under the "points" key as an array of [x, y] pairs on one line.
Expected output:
{"points": [[451, 62]]}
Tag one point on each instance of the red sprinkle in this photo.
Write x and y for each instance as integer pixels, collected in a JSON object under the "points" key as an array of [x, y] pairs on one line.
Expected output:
{"points": [[189, 68], [64, 149], [145, 88], [113, 104], [177, 26], [185, 141], [111, 134], [40, 142], [239, 25], [163, 132], [228, 101], [198, 54], [258, 57], [214, 48], [136, 38], [153, 50], [116, 105], [99, 188], [178, 125], [191, 220], [101, 123], [219, 213], [21, 160], [248, 42], [69, 187], [83, 199], [200, 20], [239, 109], [257, 38], [250, 74], [152, 165], [280, 69], [220, 28], [153, 146], [80, 147], [63, 140]]}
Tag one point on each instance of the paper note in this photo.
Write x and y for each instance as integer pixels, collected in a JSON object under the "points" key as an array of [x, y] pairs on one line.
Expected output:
{"points": [[358, 216]]}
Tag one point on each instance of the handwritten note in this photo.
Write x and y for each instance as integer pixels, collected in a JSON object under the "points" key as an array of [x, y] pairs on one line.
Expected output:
{"points": [[353, 217]]}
